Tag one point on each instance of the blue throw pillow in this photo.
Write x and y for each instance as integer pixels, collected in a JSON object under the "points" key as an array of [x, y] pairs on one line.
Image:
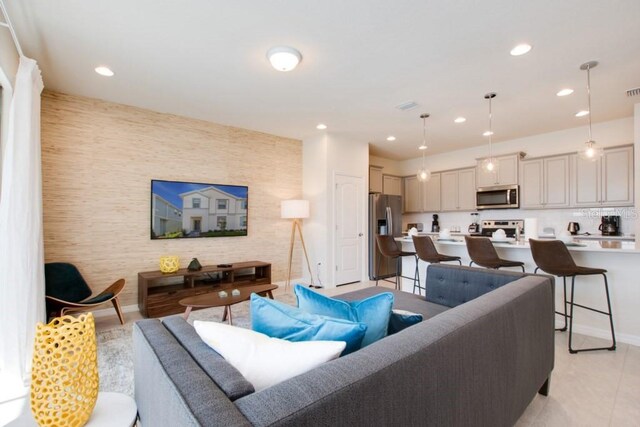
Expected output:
{"points": [[401, 319], [279, 320], [373, 311]]}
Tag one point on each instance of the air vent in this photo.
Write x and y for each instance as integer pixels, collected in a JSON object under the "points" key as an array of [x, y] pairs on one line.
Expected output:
{"points": [[633, 92], [406, 106]]}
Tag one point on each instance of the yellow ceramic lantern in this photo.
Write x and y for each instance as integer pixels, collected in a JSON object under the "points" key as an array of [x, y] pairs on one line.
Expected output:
{"points": [[64, 375], [169, 264]]}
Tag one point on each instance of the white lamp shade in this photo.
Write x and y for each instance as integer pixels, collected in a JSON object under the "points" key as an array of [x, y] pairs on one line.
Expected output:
{"points": [[294, 209]]}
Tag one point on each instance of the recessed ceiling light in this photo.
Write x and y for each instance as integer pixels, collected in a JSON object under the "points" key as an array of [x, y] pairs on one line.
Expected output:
{"points": [[104, 71], [487, 133], [521, 49], [321, 126], [422, 147], [284, 58], [565, 92], [460, 120], [391, 138], [582, 113]]}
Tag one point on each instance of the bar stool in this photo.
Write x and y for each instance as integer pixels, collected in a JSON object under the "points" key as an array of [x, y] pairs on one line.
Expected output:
{"points": [[553, 257], [389, 249], [482, 252], [426, 251]]}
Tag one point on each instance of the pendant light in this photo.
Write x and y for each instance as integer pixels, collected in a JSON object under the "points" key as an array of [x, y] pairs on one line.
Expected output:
{"points": [[490, 164], [590, 152], [424, 174]]}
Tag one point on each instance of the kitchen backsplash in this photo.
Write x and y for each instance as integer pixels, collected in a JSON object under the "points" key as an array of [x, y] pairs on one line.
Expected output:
{"points": [[589, 219]]}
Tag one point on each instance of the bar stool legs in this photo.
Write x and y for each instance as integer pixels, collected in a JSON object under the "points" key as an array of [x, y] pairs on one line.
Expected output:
{"points": [[398, 277], [572, 304]]}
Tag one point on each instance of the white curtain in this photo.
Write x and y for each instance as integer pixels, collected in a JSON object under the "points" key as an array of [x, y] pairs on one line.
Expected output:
{"points": [[21, 241]]}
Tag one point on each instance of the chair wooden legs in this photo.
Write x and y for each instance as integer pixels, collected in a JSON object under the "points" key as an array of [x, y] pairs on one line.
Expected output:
{"points": [[116, 305]]}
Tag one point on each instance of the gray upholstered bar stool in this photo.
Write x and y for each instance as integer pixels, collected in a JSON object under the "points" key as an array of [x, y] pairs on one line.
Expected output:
{"points": [[427, 252], [482, 252], [553, 257], [389, 249]]}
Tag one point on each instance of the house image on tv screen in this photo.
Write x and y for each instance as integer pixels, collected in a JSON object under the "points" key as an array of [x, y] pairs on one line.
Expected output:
{"points": [[167, 218], [212, 211]]}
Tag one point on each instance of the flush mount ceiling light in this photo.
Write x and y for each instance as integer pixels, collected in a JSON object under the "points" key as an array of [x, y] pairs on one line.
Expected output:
{"points": [[582, 113], [590, 152], [284, 58], [321, 126], [565, 92], [521, 49], [490, 164], [487, 133], [104, 71], [391, 138], [460, 120], [424, 174]]}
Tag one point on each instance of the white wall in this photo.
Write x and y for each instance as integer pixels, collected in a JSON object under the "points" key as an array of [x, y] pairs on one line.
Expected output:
{"points": [[606, 134], [323, 158], [636, 143]]}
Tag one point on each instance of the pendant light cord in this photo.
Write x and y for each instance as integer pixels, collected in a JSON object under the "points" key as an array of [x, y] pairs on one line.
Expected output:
{"points": [[424, 138], [589, 99], [490, 132]]}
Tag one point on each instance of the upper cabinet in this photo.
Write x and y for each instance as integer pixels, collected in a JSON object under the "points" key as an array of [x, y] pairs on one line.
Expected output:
{"points": [[391, 185], [458, 190], [544, 183], [607, 181], [506, 173], [422, 196], [375, 179]]}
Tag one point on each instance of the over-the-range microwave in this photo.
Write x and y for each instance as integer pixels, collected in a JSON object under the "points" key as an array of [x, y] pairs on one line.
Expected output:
{"points": [[497, 197]]}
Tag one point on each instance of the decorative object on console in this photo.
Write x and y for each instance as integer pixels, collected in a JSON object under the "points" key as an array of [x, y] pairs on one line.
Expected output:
{"points": [[278, 320], [424, 174], [169, 264], [272, 360], [490, 164], [194, 265], [66, 290], [296, 210], [64, 376], [193, 209], [374, 311], [591, 152]]}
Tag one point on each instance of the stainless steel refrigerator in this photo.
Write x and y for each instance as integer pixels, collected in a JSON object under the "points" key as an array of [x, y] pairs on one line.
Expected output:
{"points": [[385, 217]]}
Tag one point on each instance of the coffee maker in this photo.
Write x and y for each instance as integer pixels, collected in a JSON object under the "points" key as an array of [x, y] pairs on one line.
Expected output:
{"points": [[610, 225], [435, 225]]}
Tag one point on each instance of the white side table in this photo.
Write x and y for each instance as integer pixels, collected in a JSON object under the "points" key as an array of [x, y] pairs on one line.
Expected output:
{"points": [[111, 410]]}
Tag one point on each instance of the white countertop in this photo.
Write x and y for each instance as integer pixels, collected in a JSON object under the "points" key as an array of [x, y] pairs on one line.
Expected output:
{"points": [[607, 246]]}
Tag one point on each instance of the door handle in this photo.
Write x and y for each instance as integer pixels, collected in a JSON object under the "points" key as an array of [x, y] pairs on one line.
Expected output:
{"points": [[360, 234]]}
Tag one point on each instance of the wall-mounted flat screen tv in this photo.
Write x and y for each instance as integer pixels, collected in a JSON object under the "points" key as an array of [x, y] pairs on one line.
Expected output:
{"points": [[193, 209]]}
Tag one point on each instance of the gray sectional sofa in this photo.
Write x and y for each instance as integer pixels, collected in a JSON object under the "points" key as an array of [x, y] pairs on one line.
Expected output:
{"points": [[485, 348]]}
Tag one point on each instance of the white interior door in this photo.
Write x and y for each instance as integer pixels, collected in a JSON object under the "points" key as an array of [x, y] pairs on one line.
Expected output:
{"points": [[349, 229]]}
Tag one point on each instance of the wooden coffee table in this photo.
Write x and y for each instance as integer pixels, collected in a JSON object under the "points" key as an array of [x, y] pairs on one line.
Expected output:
{"points": [[212, 299]]}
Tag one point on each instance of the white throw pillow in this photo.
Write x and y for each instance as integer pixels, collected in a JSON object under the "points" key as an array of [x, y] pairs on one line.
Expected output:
{"points": [[262, 360]]}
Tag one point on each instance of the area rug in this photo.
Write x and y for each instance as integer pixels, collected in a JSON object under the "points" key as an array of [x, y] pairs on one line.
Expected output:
{"points": [[115, 345]]}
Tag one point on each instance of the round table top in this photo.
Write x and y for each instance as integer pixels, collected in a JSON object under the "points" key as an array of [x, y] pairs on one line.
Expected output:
{"points": [[111, 410], [212, 299]]}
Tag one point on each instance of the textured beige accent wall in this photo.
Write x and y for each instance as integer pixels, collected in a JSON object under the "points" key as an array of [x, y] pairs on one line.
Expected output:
{"points": [[98, 160]]}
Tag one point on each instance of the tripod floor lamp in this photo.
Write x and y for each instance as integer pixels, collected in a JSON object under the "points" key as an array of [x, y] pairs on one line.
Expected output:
{"points": [[296, 210]]}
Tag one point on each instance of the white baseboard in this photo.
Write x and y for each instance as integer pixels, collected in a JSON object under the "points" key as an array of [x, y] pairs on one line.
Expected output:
{"points": [[602, 333]]}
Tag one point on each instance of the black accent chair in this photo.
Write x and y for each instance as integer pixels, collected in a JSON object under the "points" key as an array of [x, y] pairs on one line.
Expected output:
{"points": [[553, 257], [66, 290], [389, 249]]}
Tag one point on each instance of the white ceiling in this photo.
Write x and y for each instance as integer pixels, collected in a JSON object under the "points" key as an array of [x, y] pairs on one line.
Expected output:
{"points": [[206, 59]]}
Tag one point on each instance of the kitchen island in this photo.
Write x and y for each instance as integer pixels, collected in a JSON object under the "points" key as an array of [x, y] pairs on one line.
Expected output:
{"points": [[620, 258]]}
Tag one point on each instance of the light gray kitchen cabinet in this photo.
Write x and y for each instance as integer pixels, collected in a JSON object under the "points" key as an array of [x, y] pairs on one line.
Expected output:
{"points": [[506, 173], [431, 194], [458, 190], [375, 179], [544, 183], [607, 181], [412, 194], [392, 185]]}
